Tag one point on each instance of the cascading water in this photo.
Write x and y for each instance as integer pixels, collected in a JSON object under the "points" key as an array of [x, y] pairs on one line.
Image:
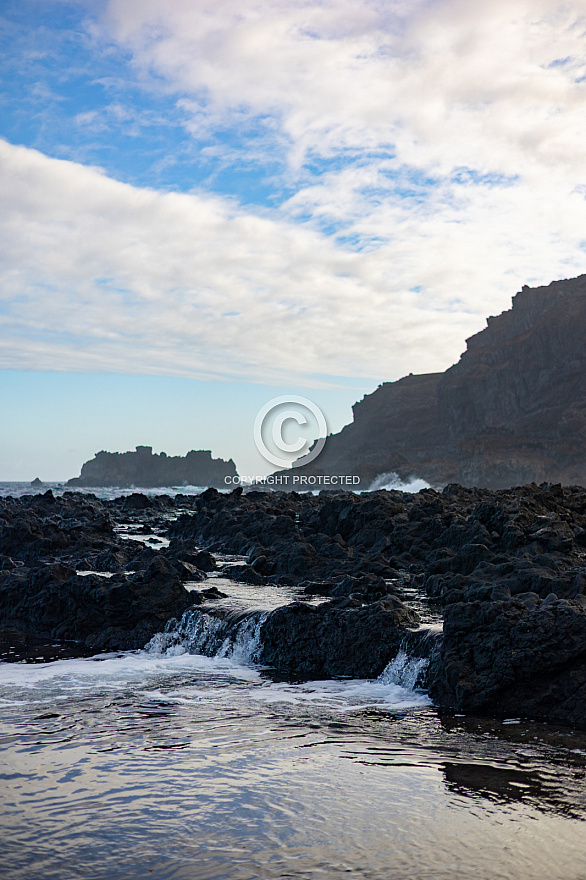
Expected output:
{"points": [[405, 671], [226, 633], [236, 635]]}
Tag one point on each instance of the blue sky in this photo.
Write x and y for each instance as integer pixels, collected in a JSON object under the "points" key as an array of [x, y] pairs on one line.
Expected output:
{"points": [[208, 204]]}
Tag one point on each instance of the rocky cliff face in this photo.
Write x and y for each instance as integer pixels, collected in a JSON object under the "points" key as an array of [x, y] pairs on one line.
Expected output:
{"points": [[143, 469], [511, 411]]}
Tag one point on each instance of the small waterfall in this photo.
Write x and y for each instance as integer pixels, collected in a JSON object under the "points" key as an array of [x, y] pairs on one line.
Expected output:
{"points": [[410, 665], [244, 644], [405, 671], [229, 634], [237, 635]]}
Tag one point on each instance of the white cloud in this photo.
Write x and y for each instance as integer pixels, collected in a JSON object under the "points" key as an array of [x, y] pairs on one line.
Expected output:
{"points": [[99, 275], [490, 84], [448, 139]]}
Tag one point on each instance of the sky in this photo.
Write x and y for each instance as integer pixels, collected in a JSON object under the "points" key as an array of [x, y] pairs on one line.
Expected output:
{"points": [[207, 204]]}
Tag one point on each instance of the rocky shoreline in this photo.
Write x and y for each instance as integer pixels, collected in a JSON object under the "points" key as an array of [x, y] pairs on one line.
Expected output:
{"points": [[505, 569]]}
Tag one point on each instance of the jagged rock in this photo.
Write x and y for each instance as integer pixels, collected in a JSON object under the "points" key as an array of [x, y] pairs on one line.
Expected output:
{"points": [[518, 655], [508, 568], [303, 641], [198, 597], [122, 612], [511, 411]]}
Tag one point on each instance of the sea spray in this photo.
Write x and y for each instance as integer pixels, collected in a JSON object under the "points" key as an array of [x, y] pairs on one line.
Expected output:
{"points": [[392, 481]]}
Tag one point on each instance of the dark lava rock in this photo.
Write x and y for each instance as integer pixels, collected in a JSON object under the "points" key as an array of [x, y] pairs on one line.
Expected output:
{"points": [[198, 597], [305, 641], [244, 573], [514, 656], [515, 613], [188, 572], [45, 540], [490, 558], [41, 527], [507, 567], [138, 501], [203, 560], [122, 612]]}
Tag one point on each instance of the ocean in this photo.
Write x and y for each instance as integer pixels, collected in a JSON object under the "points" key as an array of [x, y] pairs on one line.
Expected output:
{"points": [[186, 760]]}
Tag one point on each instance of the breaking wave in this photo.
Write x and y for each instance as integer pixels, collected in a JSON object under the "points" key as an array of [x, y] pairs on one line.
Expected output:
{"points": [[392, 480]]}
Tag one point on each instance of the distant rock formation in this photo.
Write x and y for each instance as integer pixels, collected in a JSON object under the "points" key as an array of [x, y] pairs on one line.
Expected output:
{"points": [[511, 411], [37, 483], [145, 470]]}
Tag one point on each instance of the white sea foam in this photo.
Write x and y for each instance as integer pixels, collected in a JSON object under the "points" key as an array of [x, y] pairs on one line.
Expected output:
{"points": [[180, 676], [392, 480], [61, 679], [342, 695], [396, 686]]}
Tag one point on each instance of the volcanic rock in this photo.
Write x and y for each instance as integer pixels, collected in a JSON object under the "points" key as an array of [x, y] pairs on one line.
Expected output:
{"points": [[302, 641], [511, 411], [142, 468]]}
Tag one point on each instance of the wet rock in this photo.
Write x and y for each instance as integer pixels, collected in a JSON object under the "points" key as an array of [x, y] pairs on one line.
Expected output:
{"points": [[122, 612], [198, 597], [188, 572], [138, 501], [304, 641], [203, 560], [140, 560], [367, 588], [520, 655], [507, 567], [245, 573]]}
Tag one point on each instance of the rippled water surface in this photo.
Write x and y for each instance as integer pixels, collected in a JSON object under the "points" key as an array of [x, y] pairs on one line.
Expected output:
{"points": [[144, 765], [177, 766]]}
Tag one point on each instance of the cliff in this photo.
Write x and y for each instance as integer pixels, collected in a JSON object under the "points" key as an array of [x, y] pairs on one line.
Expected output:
{"points": [[145, 470], [511, 411]]}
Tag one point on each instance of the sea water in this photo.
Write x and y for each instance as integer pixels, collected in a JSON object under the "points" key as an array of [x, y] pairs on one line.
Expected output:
{"points": [[168, 764], [388, 481], [106, 493], [175, 764]]}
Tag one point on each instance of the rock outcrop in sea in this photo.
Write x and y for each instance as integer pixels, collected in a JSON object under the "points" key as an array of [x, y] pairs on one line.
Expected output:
{"points": [[146, 471], [511, 411]]}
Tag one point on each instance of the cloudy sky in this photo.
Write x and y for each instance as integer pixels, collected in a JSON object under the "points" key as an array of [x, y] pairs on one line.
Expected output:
{"points": [[208, 203]]}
